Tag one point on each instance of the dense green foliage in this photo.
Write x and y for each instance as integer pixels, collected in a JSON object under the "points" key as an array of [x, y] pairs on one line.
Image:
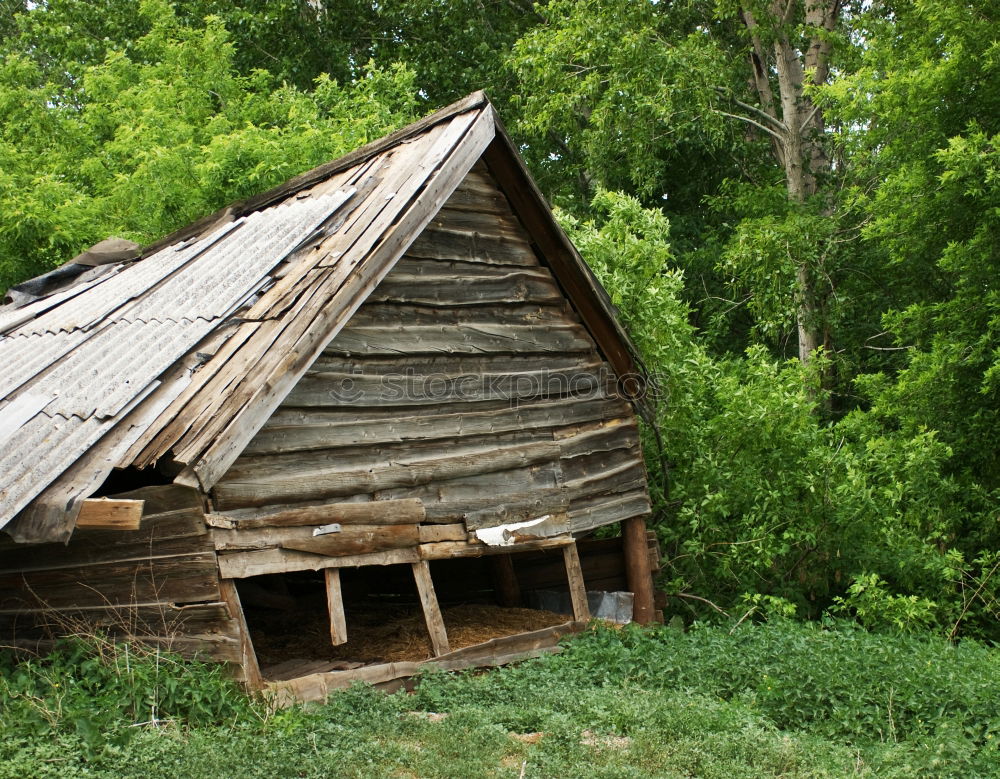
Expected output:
{"points": [[159, 133], [865, 483], [780, 699]]}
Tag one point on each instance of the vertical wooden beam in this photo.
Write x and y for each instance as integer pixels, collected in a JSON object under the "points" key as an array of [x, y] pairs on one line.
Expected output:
{"points": [[508, 591], [335, 607], [248, 658], [637, 571], [577, 589], [432, 611]]}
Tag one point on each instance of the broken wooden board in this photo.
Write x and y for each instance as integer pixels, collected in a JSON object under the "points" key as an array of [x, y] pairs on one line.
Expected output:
{"points": [[335, 607], [108, 514], [495, 652]]}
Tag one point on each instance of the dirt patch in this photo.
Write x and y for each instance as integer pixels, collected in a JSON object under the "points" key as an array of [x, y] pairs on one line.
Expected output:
{"points": [[384, 635]]}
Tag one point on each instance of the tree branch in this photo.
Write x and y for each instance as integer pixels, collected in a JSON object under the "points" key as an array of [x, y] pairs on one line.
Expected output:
{"points": [[700, 599], [755, 123], [775, 120]]}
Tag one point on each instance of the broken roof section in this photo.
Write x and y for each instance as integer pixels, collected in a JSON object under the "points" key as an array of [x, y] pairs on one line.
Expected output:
{"points": [[181, 355]]}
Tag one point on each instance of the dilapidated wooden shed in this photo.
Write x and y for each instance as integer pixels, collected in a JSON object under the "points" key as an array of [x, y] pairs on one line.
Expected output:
{"points": [[392, 378]]}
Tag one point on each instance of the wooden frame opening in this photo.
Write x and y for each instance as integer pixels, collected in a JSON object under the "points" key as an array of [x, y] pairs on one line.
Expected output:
{"points": [[342, 619]]}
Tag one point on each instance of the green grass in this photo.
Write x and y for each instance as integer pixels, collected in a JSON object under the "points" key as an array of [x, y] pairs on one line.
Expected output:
{"points": [[782, 699]]}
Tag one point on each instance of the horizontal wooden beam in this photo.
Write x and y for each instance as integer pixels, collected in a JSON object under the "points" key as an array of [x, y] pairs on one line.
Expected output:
{"points": [[109, 514], [405, 511]]}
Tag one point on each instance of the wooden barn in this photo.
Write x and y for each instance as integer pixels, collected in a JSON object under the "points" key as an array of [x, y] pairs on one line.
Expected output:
{"points": [[390, 386]]}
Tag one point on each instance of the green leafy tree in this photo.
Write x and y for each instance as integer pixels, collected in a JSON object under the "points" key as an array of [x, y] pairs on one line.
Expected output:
{"points": [[159, 133]]}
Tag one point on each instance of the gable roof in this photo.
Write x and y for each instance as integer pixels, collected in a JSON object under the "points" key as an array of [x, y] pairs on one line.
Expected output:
{"points": [[182, 354]]}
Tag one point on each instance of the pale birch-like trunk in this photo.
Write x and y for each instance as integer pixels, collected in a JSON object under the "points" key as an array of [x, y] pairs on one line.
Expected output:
{"points": [[796, 131]]}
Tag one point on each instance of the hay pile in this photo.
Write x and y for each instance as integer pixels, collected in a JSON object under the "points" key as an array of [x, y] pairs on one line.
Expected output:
{"points": [[384, 635]]}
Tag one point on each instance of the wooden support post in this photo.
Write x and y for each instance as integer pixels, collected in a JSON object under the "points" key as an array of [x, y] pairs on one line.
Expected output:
{"points": [[432, 611], [505, 585], [335, 607], [637, 570], [577, 589], [248, 658]]}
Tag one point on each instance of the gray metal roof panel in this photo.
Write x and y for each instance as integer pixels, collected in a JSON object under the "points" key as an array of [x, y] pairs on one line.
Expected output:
{"points": [[98, 302], [209, 286], [41, 450], [25, 357]]}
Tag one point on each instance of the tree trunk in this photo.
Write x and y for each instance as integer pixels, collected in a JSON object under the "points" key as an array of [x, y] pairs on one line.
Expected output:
{"points": [[798, 133]]}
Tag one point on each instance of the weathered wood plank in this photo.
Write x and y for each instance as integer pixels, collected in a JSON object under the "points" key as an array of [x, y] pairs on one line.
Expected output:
{"points": [[577, 588], [179, 579], [484, 222], [165, 535], [510, 495], [431, 609], [171, 525], [248, 657], [377, 512], [134, 619], [479, 192], [240, 565], [335, 607], [354, 540], [208, 646], [330, 480], [297, 429], [391, 314], [450, 283], [409, 384], [605, 509], [509, 509], [451, 532], [507, 248], [472, 339], [445, 550], [107, 514]]}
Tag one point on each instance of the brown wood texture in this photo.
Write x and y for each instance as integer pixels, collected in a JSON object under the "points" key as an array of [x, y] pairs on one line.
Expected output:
{"points": [[168, 559], [107, 514], [637, 570], [405, 511], [249, 668], [257, 562], [335, 607], [432, 611], [356, 540], [577, 588]]}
